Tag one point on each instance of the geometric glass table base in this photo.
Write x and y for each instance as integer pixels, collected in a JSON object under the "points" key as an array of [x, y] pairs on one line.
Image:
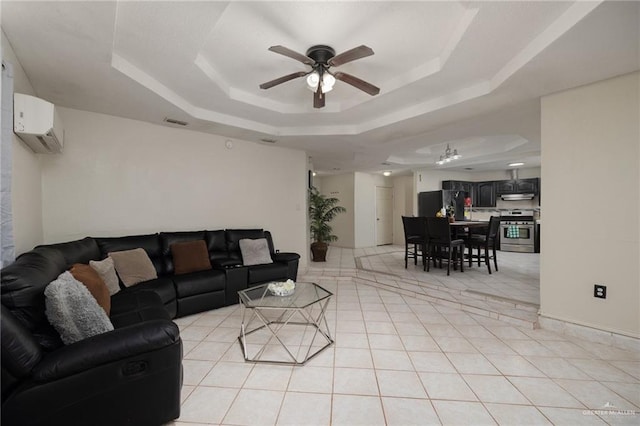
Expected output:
{"points": [[284, 329]]}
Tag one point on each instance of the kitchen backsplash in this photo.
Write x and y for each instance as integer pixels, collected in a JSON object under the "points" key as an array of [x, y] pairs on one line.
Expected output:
{"points": [[484, 213]]}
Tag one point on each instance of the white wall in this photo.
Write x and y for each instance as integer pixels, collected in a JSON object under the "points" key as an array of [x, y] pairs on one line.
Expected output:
{"points": [[121, 177], [26, 189], [365, 207], [342, 187], [357, 193], [591, 204], [403, 201]]}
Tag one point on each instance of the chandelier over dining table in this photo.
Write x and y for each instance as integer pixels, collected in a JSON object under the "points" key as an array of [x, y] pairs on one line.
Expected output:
{"points": [[448, 156]]}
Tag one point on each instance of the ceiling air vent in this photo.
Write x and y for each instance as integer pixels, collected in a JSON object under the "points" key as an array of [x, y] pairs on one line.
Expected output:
{"points": [[267, 140], [174, 121]]}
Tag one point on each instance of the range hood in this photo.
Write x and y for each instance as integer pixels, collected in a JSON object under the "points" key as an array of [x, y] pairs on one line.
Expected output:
{"points": [[516, 197]]}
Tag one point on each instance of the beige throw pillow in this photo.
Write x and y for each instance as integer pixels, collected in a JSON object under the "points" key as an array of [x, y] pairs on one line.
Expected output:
{"points": [[107, 272], [255, 252], [133, 266]]}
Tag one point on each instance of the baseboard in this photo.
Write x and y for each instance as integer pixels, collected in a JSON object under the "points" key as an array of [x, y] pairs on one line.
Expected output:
{"points": [[589, 333]]}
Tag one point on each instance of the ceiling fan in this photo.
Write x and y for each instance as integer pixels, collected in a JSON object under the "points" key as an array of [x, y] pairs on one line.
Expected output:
{"points": [[319, 79]]}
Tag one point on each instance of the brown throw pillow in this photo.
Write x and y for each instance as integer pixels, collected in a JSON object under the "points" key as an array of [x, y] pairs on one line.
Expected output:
{"points": [[133, 266], [190, 256], [96, 286]]}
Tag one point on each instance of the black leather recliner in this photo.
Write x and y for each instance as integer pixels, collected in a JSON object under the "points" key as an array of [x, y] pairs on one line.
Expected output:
{"points": [[131, 375]]}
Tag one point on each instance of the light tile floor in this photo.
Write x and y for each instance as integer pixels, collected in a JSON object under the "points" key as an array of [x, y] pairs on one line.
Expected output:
{"points": [[402, 360]]}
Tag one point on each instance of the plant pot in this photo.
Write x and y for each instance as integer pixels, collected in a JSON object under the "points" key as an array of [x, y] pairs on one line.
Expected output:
{"points": [[452, 219], [319, 252]]}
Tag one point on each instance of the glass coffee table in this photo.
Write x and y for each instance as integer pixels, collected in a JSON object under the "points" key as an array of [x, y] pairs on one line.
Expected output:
{"points": [[284, 329]]}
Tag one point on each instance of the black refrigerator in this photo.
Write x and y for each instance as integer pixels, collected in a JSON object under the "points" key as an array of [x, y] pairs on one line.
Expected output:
{"points": [[430, 202]]}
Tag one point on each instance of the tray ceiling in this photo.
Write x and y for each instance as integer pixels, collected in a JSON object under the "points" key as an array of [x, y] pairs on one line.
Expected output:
{"points": [[465, 73]]}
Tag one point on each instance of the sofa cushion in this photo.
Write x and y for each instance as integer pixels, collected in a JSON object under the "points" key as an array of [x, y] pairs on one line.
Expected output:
{"points": [[79, 251], [264, 273], [73, 311], [199, 283], [133, 266], [255, 252], [107, 272], [133, 307], [22, 287], [150, 243], [20, 351], [167, 239], [96, 286], [163, 286], [190, 256], [216, 244]]}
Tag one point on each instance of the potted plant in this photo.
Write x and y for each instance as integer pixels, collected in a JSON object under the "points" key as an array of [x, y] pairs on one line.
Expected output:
{"points": [[322, 210]]}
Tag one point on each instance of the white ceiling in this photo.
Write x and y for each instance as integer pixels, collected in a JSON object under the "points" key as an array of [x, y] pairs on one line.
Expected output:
{"points": [[465, 73]]}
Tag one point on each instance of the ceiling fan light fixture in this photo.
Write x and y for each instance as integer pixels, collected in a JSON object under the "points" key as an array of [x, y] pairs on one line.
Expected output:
{"points": [[312, 81], [319, 80], [328, 81]]}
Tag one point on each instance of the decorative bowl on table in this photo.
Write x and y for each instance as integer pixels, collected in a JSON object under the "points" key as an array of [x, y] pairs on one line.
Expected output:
{"points": [[282, 288]]}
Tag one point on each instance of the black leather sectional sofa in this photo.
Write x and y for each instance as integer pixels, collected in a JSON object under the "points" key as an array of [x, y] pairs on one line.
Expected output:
{"points": [[131, 375]]}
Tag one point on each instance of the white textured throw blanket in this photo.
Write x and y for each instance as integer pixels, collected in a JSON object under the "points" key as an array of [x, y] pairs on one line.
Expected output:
{"points": [[73, 311]]}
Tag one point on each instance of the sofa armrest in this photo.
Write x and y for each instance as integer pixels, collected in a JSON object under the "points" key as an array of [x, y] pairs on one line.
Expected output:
{"points": [[285, 257], [112, 346], [290, 260], [226, 263]]}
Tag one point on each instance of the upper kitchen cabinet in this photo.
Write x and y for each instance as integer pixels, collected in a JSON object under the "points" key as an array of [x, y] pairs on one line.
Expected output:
{"points": [[458, 185], [485, 194], [519, 186]]}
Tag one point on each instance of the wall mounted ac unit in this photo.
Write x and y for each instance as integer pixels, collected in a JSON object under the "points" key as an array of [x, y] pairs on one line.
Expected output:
{"points": [[37, 123]]}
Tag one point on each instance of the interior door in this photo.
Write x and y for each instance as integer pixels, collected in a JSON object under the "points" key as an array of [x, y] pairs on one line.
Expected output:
{"points": [[384, 215]]}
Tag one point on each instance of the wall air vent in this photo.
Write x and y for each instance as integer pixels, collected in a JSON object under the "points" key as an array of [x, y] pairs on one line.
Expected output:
{"points": [[267, 140], [174, 121]]}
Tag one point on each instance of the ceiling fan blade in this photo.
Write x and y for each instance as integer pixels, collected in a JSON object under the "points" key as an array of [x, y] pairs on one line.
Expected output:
{"points": [[357, 83], [318, 98], [351, 55], [292, 54], [283, 79]]}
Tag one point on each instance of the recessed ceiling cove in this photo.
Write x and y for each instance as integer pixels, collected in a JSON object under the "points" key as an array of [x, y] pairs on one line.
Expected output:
{"points": [[209, 58], [447, 70]]}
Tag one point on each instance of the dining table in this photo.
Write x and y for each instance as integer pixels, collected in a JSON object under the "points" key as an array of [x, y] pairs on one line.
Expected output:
{"points": [[459, 227], [462, 224]]}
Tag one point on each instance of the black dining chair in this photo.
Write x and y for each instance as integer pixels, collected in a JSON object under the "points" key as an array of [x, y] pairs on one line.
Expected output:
{"points": [[440, 241], [415, 235], [485, 242]]}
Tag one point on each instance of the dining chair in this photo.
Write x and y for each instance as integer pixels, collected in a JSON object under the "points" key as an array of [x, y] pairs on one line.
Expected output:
{"points": [[484, 242], [439, 232], [415, 234]]}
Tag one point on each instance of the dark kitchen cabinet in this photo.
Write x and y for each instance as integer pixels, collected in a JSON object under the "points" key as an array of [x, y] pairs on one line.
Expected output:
{"points": [[527, 185], [458, 185], [484, 194], [520, 186], [505, 187]]}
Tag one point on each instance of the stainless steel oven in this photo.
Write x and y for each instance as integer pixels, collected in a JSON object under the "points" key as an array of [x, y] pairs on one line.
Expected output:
{"points": [[517, 231]]}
